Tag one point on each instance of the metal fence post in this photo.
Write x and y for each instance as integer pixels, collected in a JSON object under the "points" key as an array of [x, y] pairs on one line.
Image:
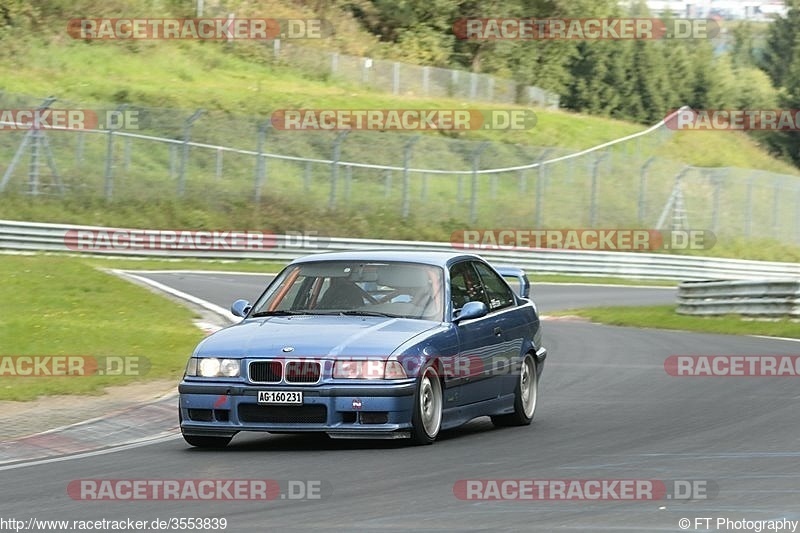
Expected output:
{"points": [[173, 160], [748, 211], [187, 131], [407, 153], [307, 176], [643, 189], [595, 172], [261, 163], [540, 177], [453, 83], [109, 170], [716, 183], [79, 145], [337, 154], [776, 203], [473, 85], [366, 64], [473, 201], [348, 179], [126, 154], [395, 78], [387, 183], [218, 165]]}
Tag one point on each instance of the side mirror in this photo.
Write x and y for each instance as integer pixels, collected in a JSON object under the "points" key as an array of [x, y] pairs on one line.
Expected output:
{"points": [[240, 308], [472, 310]]}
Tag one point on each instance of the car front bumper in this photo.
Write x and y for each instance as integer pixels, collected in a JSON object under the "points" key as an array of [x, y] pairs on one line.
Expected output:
{"points": [[346, 411]]}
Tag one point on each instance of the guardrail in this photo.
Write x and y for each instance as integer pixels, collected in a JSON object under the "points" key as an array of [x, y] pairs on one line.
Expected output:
{"points": [[40, 237], [767, 299]]}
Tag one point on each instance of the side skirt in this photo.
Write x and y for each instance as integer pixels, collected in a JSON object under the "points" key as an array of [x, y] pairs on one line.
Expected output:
{"points": [[458, 416]]}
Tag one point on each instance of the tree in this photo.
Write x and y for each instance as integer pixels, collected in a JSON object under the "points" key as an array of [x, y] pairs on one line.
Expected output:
{"points": [[780, 49], [788, 142], [592, 87]]}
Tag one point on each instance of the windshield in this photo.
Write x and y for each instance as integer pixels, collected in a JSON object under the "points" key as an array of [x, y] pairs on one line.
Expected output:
{"points": [[386, 288]]}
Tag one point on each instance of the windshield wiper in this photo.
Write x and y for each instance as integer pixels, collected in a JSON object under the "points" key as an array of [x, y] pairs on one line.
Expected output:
{"points": [[280, 312], [355, 312]]}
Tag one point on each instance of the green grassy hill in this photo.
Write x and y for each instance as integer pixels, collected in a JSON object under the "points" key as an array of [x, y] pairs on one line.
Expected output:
{"points": [[239, 85]]}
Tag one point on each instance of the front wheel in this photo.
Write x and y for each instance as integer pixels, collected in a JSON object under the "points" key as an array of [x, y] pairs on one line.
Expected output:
{"points": [[206, 441], [526, 396], [427, 416]]}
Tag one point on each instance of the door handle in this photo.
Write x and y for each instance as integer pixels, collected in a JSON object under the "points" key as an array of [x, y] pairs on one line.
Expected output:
{"points": [[498, 331]]}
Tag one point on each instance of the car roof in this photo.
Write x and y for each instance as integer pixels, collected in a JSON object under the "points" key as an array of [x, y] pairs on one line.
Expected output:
{"points": [[442, 259]]}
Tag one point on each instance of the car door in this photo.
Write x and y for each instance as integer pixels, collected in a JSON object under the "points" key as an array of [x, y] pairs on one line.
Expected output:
{"points": [[479, 339], [513, 326]]}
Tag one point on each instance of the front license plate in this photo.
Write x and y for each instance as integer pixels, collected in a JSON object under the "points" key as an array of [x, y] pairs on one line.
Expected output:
{"points": [[280, 396]]}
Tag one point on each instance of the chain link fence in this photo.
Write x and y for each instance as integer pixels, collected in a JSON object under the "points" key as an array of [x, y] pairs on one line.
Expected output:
{"points": [[389, 76], [213, 158], [412, 80]]}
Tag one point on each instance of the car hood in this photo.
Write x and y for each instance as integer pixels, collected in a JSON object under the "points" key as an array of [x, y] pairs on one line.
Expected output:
{"points": [[313, 336]]}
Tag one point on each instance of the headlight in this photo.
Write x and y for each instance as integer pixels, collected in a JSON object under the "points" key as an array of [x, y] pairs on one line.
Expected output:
{"points": [[368, 369], [229, 368], [212, 367], [208, 367]]}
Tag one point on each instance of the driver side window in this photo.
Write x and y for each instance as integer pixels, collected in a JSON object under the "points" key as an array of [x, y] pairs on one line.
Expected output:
{"points": [[465, 285], [497, 291]]}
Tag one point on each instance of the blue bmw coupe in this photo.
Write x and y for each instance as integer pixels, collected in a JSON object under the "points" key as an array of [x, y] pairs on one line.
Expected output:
{"points": [[369, 344]]}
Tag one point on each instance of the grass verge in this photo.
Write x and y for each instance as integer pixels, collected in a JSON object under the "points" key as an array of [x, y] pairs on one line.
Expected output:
{"points": [[664, 317], [126, 263], [58, 306], [592, 280]]}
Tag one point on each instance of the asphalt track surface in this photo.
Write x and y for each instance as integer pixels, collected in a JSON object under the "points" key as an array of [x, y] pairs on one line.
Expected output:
{"points": [[608, 410]]}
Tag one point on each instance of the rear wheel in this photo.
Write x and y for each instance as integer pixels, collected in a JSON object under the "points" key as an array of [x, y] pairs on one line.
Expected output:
{"points": [[206, 441], [526, 397], [426, 420]]}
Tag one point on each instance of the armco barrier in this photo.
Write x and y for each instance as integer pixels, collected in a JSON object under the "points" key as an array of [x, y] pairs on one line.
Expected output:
{"points": [[758, 298], [32, 236]]}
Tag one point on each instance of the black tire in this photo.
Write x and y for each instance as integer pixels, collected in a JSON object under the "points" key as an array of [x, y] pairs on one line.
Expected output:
{"points": [[426, 420], [526, 396], [206, 441]]}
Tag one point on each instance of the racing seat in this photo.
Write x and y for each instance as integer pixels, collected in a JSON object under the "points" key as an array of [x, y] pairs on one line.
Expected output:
{"points": [[342, 294]]}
